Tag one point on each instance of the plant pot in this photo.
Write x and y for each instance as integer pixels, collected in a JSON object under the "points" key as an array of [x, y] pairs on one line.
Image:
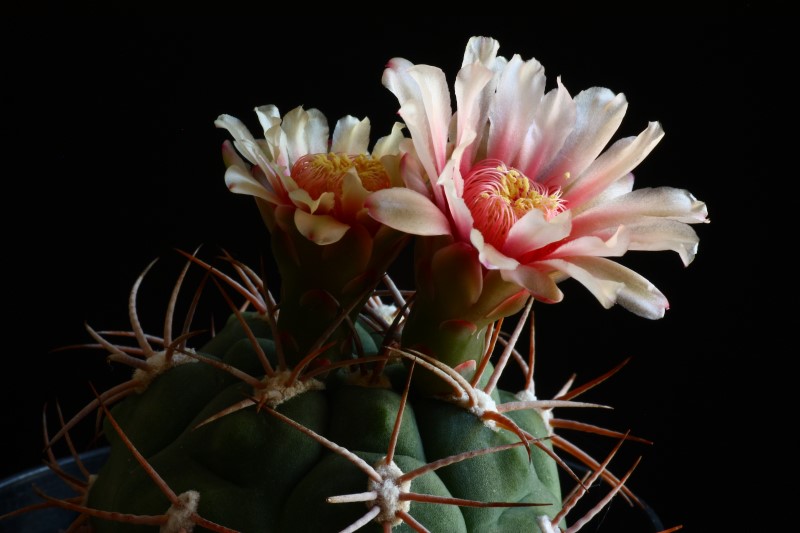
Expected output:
{"points": [[17, 492]]}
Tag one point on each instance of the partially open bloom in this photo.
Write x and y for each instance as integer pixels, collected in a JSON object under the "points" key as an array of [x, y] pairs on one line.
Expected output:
{"points": [[521, 175], [323, 181], [310, 190]]}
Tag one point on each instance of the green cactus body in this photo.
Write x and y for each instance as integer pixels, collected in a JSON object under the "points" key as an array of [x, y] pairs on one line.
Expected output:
{"points": [[254, 472]]}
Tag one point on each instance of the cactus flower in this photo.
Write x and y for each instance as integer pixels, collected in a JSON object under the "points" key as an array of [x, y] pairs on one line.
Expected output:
{"points": [[310, 190], [322, 181], [520, 175]]}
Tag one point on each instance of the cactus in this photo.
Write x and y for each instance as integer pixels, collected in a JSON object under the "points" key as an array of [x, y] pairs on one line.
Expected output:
{"points": [[348, 403]]}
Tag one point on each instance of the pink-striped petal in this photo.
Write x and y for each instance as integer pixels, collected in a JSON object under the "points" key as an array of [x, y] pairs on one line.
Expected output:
{"points": [[622, 157], [407, 211], [540, 284], [633, 292], [599, 113], [532, 232]]}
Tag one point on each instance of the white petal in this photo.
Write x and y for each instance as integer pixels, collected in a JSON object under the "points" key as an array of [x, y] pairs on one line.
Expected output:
{"points": [[520, 88], [303, 130], [624, 185], [614, 246], [398, 79], [303, 200], [633, 292], [390, 144], [407, 211], [622, 157], [294, 127], [664, 234], [353, 193], [317, 132], [532, 231], [664, 202], [276, 140], [540, 284], [552, 124], [412, 173], [241, 181], [435, 100], [605, 290], [321, 229], [481, 50], [351, 136], [489, 256], [240, 134], [599, 113], [473, 90], [268, 117]]}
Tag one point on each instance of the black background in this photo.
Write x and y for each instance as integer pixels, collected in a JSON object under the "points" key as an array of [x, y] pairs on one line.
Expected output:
{"points": [[112, 160]]}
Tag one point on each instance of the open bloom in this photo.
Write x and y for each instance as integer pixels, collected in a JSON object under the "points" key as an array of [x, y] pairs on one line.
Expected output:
{"points": [[324, 181], [521, 175]]}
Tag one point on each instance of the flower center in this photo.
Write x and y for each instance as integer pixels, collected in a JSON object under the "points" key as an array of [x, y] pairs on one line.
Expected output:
{"points": [[319, 173], [498, 196]]}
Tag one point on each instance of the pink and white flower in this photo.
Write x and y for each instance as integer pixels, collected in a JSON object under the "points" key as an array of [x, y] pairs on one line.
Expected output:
{"points": [[297, 166], [521, 175]]}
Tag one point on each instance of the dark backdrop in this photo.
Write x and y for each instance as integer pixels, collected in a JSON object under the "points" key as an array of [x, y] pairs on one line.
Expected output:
{"points": [[114, 161]]}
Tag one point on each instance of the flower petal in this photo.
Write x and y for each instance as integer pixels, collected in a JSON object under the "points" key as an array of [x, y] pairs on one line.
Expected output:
{"points": [[353, 194], [614, 246], [306, 133], [553, 123], [480, 50], [403, 80], [350, 136], [303, 200], [390, 144], [321, 229], [489, 256], [656, 217], [532, 232], [599, 113], [622, 157], [407, 211], [240, 135], [662, 234], [473, 91], [538, 283], [613, 283], [240, 181], [520, 88]]}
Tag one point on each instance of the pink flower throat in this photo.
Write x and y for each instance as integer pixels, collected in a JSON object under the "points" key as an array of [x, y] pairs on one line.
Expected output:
{"points": [[498, 196]]}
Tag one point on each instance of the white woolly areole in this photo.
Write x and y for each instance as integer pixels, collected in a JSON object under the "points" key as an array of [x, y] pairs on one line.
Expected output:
{"points": [[277, 391], [157, 364], [179, 518], [546, 525], [527, 395], [388, 491], [484, 403]]}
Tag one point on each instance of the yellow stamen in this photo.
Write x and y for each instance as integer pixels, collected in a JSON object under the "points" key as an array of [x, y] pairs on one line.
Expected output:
{"points": [[319, 173]]}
